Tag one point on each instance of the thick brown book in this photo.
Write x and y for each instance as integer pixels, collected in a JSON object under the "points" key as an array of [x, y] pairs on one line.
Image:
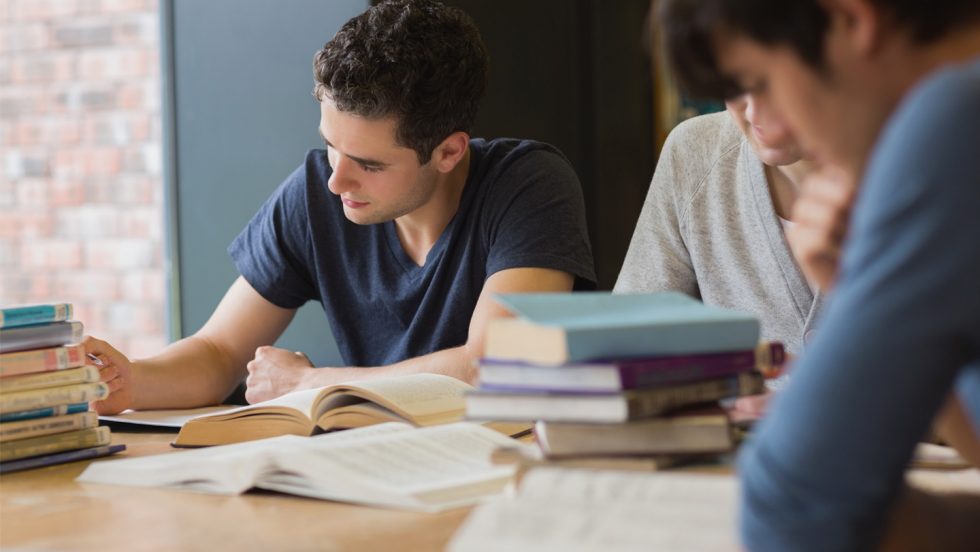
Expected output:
{"points": [[683, 434], [419, 399]]}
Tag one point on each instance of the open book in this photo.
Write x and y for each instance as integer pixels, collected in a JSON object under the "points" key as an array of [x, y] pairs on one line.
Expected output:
{"points": [[419, 399], [392, 465], [613, 511]]}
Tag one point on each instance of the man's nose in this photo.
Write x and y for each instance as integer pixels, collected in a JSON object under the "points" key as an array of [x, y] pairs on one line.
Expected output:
{"points": [[342, 179]]}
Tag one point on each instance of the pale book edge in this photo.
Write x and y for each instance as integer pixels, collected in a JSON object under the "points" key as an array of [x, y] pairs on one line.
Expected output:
{"points": [[41, 360], [36, 427]]}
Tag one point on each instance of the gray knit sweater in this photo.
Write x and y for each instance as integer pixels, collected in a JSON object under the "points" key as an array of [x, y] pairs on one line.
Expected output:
{"points": [[708, 228]]}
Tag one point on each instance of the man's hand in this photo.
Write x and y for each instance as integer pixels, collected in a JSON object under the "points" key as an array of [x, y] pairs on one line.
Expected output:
{"points": [[821, 216], [116, 371], [274, 372]]}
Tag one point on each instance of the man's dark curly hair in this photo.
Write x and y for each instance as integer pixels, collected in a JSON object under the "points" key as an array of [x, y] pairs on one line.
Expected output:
{"points": [[416, 60]]}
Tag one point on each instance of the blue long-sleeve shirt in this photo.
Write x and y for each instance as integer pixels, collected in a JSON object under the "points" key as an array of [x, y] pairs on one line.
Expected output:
{"points": [[901, 332]]}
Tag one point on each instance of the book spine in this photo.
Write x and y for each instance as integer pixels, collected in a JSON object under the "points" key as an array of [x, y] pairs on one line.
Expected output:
{"points": [[82, 374], [53, 396], [40, 336], [34, 314], [656, 401], [34, 446], [41, 360], [683, 369], [46, 412], [59, 458], [715, 336], [11, 431], [768, 356]]}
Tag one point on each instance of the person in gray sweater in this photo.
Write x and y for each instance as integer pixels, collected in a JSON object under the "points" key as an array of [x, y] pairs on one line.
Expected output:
{"points": [[713, 222]]}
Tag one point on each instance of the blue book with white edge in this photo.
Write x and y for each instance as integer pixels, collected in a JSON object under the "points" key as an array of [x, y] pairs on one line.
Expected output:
{"points": [[34, 314], [557, 328], [45, 412], [60, 458]]}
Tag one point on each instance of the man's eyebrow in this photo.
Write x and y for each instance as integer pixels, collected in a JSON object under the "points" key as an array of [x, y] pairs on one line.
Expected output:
{"points": [[359, 160]]}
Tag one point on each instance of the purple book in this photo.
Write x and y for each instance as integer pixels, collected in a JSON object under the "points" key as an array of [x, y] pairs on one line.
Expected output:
{"points": [[635, 373]]}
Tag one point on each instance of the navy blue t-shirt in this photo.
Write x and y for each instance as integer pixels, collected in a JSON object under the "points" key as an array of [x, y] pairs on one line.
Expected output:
{"points": [[522, 206]]}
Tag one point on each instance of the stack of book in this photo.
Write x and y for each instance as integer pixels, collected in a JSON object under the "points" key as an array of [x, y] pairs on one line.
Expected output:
{"points": [[45, 389], [631, 378]]}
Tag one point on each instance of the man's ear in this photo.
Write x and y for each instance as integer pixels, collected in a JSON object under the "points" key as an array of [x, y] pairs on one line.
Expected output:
{"points": [[855, 25], [450, 151]]}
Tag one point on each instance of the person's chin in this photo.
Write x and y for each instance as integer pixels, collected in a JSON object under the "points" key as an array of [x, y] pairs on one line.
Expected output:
{"points": [[360, 216], [777, 157]]}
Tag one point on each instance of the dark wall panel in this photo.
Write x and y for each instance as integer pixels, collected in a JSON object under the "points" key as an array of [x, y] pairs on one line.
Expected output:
{"points": [[576, 74], [239, 117]]}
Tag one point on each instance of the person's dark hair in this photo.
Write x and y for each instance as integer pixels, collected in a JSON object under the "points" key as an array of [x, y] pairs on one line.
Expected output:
{"points": [[688, 29], [416, 60]]}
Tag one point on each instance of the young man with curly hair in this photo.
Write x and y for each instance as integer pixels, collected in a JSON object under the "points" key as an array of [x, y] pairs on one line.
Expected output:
{"points": [[403, 227]]}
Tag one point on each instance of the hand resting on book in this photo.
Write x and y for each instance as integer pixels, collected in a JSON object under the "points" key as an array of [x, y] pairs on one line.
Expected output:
{"points": [[274, 372], [115, 371]]}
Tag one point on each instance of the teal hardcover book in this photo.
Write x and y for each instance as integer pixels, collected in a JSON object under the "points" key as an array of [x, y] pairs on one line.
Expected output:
{"points": [[557, 328], [34, 314]]}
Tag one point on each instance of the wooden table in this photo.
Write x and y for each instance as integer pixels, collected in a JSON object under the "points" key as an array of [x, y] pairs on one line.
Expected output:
{"points": [[45, 509]]}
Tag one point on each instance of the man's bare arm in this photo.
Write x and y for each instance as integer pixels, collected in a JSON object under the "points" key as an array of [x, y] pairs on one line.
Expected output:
{"points": [[274, 377], [201, 369]]}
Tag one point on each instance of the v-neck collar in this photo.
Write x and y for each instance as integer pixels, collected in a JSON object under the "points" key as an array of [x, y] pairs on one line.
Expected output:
{"points": [[391, 231], [805, 298]]}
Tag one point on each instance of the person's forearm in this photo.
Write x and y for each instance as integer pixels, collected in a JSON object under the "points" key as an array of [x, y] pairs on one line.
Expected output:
{"points": [[457, 362], [955, 429], [922, 520], [189, 373]]}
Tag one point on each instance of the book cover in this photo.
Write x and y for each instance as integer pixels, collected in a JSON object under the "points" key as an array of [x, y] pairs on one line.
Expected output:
{"points": [[34, 314], [52, 396], [57, 410], [20, 338], [391, 465], [47, 444], [41, 360], [681, 434], [618, 375], [558, 328], [23, 429], [59, 458], [607, 407], [420, 399], [82, 374]]}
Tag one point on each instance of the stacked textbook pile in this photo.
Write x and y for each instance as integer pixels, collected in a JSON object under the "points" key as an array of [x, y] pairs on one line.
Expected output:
{"points": [[620, 379], [45, 388]]}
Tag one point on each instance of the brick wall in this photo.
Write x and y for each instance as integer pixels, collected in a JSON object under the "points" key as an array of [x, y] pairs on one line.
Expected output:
{"points": [[81, 197]]}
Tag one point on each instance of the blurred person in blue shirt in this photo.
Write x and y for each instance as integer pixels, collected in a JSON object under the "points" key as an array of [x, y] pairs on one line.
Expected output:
{"points": [[885, 97]]}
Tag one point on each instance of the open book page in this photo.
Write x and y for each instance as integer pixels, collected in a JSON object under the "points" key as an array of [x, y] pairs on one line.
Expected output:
{"points": [[945, 480], [174, 418], [937, 457], [390, 464], [302, 401], [423, 398], [227, 469], [429, 469], [607, 510]]}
